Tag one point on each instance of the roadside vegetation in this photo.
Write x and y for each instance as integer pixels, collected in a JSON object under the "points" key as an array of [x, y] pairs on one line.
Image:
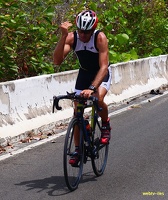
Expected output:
{"points": [[29, 31]]}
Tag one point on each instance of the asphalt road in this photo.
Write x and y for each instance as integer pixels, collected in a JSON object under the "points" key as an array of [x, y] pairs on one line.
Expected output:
{"points": [[137, 167]]}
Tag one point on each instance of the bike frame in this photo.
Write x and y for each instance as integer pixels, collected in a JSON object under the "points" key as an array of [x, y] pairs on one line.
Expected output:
{"points": [[80, 112], [94, 119]]}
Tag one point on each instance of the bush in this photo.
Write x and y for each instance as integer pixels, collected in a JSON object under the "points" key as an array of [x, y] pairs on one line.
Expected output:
{"points": [[29, 32], [26, 31]]}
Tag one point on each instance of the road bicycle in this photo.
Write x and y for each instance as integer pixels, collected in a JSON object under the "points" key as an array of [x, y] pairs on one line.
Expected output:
{"points": [[90, 147]]}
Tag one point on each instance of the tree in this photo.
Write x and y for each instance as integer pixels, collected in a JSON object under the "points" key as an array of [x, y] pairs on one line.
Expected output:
{"points": [[29, 31]]}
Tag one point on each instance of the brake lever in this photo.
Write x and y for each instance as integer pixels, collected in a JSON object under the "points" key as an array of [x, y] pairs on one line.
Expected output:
{"points": [[56, 104]]}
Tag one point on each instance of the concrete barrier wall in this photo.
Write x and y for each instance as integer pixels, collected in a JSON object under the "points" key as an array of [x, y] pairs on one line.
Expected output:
{"points": [[26, 104], [137, 77]]}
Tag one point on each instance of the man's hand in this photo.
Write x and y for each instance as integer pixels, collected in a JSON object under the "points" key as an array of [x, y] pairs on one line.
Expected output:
{"points": [[86, 93], [64, 28]]}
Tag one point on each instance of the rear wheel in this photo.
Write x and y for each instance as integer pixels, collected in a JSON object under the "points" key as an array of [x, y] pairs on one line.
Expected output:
{"points": [[72, 174], [99, 159]]}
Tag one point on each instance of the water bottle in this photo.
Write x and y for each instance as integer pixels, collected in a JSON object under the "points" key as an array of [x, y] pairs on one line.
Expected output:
{"points": [[88, 128]]}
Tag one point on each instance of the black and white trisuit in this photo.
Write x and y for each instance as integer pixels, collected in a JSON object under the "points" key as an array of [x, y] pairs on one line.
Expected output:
{"points": [[88, 56]]}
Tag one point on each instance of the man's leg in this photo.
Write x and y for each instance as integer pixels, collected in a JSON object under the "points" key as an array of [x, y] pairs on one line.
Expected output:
{"points": [[105, 137], [101, 94]]}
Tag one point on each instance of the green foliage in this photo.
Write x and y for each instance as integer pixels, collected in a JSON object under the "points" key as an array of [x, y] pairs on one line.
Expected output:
{"points": [[135, 29], [25, 38], [29, 31]]}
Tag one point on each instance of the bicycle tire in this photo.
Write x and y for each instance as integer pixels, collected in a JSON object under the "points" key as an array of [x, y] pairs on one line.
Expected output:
{"points": [[72, 174], [99, 160]]}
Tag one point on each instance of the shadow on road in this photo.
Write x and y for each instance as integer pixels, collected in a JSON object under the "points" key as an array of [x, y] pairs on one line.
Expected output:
{"points": [[55, 185]]}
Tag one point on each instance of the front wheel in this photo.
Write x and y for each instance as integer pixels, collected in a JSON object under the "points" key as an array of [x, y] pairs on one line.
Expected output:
{"points": [[72, 174], [100, 156]]}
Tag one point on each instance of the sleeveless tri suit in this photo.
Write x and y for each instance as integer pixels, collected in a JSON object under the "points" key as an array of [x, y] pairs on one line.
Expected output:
{"points": [[88, 56]]}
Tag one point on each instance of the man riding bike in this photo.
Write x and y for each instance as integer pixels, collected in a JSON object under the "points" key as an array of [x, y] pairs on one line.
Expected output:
{"points": [[94, 77]]}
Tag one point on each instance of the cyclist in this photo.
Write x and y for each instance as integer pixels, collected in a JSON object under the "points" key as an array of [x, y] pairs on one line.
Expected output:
{"points": [[91, 48]]}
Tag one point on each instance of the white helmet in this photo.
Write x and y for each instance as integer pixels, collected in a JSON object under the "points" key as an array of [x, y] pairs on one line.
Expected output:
{"points": [[86, 20]]}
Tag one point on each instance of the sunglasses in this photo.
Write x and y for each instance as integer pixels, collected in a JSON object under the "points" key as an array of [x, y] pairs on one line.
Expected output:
{"points": [[85, 32]]}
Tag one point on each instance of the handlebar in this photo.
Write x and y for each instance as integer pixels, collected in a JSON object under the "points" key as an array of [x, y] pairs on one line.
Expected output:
{"points": [[73, 96]]}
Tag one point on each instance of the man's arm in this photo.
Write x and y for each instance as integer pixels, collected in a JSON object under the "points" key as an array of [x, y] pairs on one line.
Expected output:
{"points": [[102, 45], [63, 47]]}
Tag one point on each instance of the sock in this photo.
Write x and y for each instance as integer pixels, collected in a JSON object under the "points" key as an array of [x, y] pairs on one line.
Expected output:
{"points": [[106, 122]]}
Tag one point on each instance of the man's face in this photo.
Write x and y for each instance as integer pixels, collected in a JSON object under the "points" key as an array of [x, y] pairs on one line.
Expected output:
{"points": [[85, 36]]}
